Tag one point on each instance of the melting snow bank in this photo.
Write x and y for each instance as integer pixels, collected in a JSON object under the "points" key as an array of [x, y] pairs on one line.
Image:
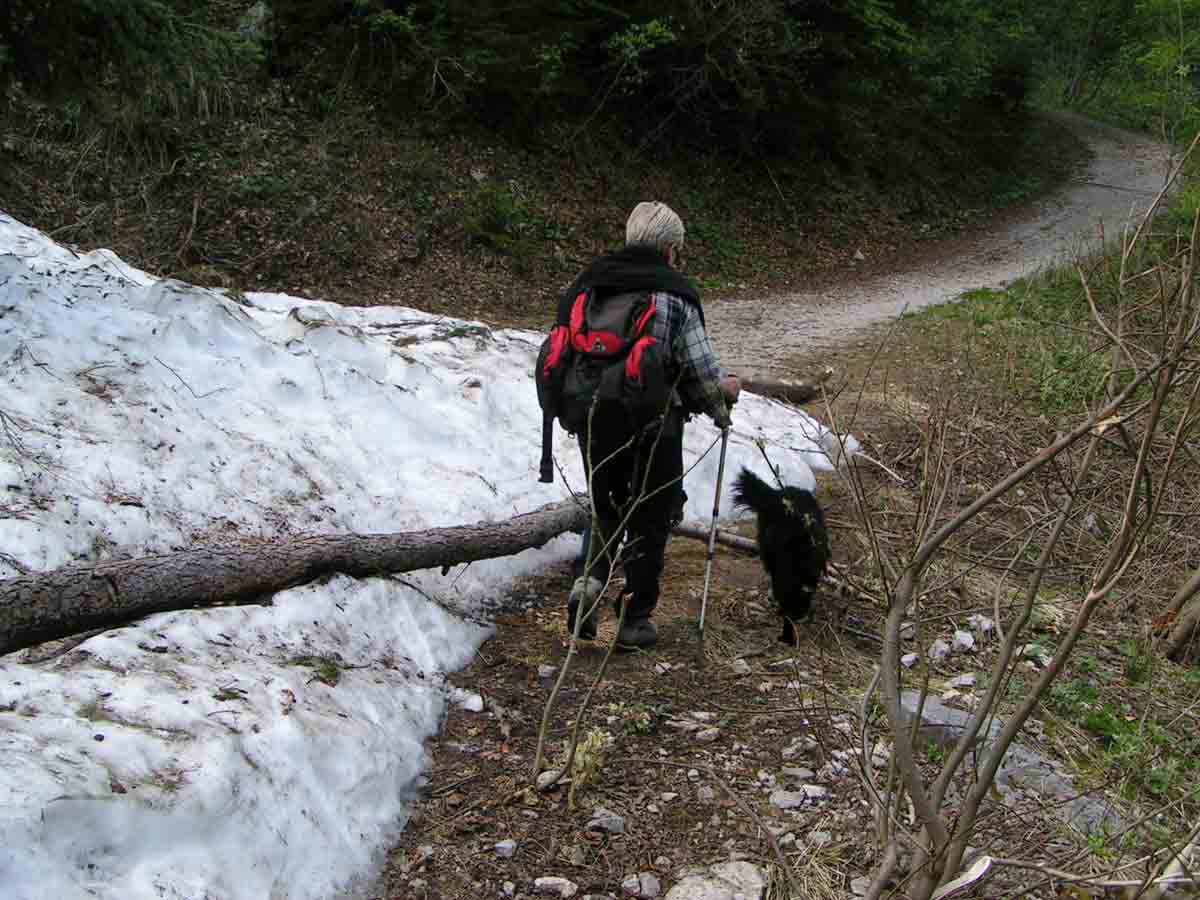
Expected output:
{"points": [[261, 751]]}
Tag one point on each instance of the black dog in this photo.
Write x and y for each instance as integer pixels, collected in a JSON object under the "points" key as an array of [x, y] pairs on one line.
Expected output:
{"points": [[792, 543]]}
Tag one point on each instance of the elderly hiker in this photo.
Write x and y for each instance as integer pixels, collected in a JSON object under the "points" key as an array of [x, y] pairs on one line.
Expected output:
{"points": [[667, 344]]}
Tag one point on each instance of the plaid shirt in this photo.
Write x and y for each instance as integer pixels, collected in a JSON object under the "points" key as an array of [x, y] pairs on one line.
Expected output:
{"points": [[693, 365]]}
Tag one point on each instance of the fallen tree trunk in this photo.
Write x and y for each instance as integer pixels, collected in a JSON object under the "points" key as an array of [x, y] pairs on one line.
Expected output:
{"points": [[46, 606], [799, 392]]}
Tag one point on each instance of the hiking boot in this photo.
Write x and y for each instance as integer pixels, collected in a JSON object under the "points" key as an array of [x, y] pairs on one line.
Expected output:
{"points": [[585, 592], [640, 634]]}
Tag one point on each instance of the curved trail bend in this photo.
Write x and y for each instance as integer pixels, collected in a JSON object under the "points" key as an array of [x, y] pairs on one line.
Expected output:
{"points": [[1117, 187]]}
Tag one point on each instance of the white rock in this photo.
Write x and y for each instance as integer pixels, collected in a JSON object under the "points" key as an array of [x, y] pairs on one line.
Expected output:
{"points": [[631, 886], [663, 863], [908, 631], [939, 651], [662, 668], [964, 641], [705, 794], [693, 774], [668, 796], [814, 791], [787, 799], [820, 838], [703, 716], [981, 624], [707, 735], [860, 886], [506, 849], [548, 778], [509, 888], [908, 660], [740, 667], [651, 887], [723, 881], [556, 885], [960, 682], [546, 671]]}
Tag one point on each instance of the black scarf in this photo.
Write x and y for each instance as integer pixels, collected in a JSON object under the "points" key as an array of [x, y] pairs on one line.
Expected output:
{"points": [[634, 268]]}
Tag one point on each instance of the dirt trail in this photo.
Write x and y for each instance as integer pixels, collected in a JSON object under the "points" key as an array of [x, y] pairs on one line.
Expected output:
{"points": [[1117, 186]]}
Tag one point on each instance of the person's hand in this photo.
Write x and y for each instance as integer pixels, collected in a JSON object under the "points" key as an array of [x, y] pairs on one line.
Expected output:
{"points": [[731, 386]]}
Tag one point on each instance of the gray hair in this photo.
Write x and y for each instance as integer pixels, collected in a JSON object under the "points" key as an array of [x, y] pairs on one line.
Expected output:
{"points": [[655, 224]]}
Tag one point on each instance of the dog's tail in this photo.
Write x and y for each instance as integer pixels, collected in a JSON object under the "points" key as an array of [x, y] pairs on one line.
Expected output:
{"points": [[753, 493]]}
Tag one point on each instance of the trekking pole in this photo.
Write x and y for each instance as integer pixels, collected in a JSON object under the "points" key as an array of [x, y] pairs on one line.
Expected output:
{"points": [[712, 534]]}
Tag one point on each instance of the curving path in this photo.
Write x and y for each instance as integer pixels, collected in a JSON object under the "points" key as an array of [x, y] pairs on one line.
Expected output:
{"points": [[1125, 174]]}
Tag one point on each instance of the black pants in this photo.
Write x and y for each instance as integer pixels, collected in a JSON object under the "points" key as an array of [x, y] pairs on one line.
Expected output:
{"points": [[647, 476]]}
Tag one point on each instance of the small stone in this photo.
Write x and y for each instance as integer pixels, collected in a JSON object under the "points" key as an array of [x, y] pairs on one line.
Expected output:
{"points": [[908, 631], [418, 884], [820, 838], [939, 651], [506, 849], [814, 791], [859, 256], [787, 839], [960, 682], [703, 716], [606, 820], [546, 671], [707, 735], [509, 888], [947, 696], [644, 884], [964, 641], [908, 660], [787, 799], [556, 885], [860, 886], [662, 668], [740, 667], [652, 807], [668, 796], [663, 863], [705, 794], [547, 778], [693, 775]]}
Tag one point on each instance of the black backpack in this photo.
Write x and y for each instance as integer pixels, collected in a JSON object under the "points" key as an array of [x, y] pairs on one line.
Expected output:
{"points": [[601, 364]]}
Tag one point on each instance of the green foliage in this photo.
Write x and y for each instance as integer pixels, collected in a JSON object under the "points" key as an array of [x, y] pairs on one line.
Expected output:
{"points": [[1132, 62], [166, 51]]}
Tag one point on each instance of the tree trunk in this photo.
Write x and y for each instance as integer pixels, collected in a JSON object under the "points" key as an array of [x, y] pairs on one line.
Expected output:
{"points": [[799, 392], [47, 606]]}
